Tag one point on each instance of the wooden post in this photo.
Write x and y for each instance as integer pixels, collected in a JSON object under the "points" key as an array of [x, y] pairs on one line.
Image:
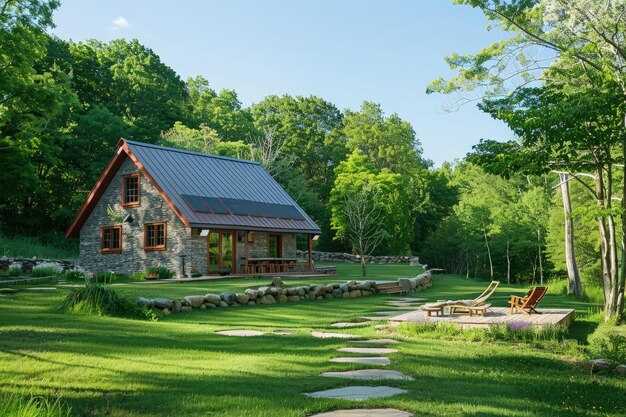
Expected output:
{"points": [[245, 271], [310, 244]]}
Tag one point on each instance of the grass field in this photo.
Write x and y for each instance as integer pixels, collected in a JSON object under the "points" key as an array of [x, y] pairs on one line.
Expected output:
{"points": [[178, 366]]}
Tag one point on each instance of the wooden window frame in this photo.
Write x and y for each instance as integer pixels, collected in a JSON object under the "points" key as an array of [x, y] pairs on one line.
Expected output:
{"points": [[145, 237], [279, 249], [134, 203], [250, 237], [109, 250]]}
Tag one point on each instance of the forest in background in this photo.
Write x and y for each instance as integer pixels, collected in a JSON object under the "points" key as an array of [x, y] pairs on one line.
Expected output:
{"points": [[66, 104]]}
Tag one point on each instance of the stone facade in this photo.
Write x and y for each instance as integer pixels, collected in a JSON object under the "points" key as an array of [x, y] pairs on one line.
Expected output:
{"points": [[180, 240]]}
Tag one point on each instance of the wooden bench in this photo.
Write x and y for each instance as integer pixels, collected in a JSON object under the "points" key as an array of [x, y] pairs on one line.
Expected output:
{"points": [[479, 310], [329, 270]]}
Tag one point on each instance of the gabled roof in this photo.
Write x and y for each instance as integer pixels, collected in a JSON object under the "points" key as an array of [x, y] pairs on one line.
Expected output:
{"points": [[183, 176]]}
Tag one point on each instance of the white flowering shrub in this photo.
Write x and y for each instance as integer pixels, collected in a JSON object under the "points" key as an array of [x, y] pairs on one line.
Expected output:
{"points": [[47, 269]]}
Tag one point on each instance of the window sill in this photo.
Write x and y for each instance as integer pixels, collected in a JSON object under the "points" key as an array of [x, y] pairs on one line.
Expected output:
{"points": [[131, 205], [155, 249], [109, 251]]}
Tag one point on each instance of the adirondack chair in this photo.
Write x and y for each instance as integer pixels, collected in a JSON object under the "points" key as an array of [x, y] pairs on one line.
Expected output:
{"points": [[527, 304], [480, 300]]}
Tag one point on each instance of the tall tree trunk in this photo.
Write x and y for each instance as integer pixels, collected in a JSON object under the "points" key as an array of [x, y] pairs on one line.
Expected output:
{"points": [[540, 255], [508, 263], [573, 276], [363, 271], [622, 279], [488, 254]]}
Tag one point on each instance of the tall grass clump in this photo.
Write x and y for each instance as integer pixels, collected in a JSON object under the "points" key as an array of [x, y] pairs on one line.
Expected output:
{"points": [[16, 406], [102, 300], [47, 269]]}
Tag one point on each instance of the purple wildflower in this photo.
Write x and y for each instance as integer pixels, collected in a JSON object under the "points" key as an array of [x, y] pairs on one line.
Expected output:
{"points": [[515, 326]]}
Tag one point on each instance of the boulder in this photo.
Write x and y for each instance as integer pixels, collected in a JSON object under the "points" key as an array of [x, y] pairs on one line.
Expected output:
{"points": [[268, 299], [177, 306], [329, 288], [277, 282], [319, 297], [186, 308], [264, 289], [202, 306], [282, 298], [345, 294], [344, 287], [210, 305], [293, 298], [621, 369], [252, 294], [292, 291], [223, 304], [212, 298], [243, 298], [229, 297], [365, 293], [355, 293], [301, 291], [167, 312], [600, 364], [275, 292], [195, 301], [328, 295], [163, 303], [260, 294], [251, 303], [337, 293], [144, 301]]}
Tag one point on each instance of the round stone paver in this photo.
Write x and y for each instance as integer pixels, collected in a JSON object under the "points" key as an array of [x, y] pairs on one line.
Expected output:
{"points": [[284, 332], [358, 392], [369, 374], [373, 360], [240, 333], [325, 335], [365, 412], [343, 324], [371, 351], [376, 341]]}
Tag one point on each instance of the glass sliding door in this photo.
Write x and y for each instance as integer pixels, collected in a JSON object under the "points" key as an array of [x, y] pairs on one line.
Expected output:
{"points": [[221, 252], [275, 246]]}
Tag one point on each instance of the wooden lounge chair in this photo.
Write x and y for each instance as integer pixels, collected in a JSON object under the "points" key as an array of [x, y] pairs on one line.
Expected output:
{"points": [[527, 304], [465, 305]]}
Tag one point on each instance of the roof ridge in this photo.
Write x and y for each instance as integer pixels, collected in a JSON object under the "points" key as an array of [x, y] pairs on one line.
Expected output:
{"points": [[206, 155]]}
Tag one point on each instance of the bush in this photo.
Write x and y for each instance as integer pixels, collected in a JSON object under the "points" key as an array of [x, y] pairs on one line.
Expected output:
{"points": [[102, 300], [74, 275], [47, 269], [15, 271], [33, 407], [158, 272]]}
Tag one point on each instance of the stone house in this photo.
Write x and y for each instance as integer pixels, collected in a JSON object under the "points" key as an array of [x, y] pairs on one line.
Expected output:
{"points": [[189, 212]]}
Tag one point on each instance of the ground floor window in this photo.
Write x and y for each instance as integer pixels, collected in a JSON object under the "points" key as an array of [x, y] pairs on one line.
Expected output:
{"points": [[275, 246], [111, 239], [154, 236]]}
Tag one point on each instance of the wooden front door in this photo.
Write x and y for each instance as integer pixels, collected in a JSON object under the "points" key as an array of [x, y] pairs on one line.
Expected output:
{"points": [[221, 248]]}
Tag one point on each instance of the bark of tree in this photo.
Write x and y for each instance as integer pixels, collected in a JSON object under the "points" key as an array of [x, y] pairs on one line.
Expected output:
{"points": [[488, 254], [539, 256], [508, 263], [573, 276]]}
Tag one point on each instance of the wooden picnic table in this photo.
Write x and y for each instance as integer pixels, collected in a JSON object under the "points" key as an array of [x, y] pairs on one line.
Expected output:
{"points": [[271, 265]]}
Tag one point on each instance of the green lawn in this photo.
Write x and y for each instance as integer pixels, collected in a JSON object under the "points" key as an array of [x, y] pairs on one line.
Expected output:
{"points": [[178, 366]]}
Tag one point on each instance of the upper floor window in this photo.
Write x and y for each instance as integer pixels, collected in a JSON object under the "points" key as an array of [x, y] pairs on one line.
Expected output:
{"points": [[154, 236], [130, 190], [111, 239]]}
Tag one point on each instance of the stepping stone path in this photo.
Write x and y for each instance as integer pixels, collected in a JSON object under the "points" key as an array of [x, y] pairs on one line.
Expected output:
{"points": [[371, 360], [325, 335], [240, 333], [369, 374], [376, 341], [284, 332], [377, 318], [343, 325], [371, 351], [386, 313], [357, 392], [411, 300], [366, 412]]}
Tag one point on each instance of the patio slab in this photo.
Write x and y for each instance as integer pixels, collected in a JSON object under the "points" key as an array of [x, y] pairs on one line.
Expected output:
{"points": [[369, 374], [240, 333], [284, 332], [370, 360], [357, 392], [366, 412], [367, 350], [376, 341], [343, 324], [328, 335]]}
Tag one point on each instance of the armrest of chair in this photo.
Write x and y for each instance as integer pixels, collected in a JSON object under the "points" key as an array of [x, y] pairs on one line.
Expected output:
{"points": [[516, 299]]}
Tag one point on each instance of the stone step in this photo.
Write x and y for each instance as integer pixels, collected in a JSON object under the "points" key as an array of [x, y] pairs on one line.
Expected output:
{"points": [[365, 412], [369, 374], [357, 392], [328, 335], [369, 350], [343, 324], [371, 360], [375, 341]]}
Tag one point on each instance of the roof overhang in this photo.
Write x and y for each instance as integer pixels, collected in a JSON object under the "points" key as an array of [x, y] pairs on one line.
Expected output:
{"points": [[253, 228]]}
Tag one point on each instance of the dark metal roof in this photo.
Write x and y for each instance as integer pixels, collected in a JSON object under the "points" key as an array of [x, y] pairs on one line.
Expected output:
{"points": [[179, 172]]}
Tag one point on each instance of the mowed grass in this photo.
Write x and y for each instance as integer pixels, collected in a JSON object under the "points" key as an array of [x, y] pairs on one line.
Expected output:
{"points": [[179, 366]]}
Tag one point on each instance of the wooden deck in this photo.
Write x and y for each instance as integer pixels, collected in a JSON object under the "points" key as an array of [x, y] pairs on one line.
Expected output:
{"points": [[496, 315]]}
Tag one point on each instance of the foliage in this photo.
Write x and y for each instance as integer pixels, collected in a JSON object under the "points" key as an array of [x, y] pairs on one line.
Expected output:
{"points": [[159, 272], [18, 406], [102, 300], [15, 270], [74, 275], [47, 269]]}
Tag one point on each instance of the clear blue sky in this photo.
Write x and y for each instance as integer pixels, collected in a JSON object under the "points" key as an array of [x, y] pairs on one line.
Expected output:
{"points": [[344, 51]]}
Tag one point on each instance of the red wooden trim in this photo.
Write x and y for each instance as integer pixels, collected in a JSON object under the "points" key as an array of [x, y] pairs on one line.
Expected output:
{"points": [[134, 203], [145, 235], [105, 250], [245, 267], [96, 192], [154, 183]]}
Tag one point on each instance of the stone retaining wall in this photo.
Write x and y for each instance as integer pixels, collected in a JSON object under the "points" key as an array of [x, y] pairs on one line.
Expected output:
{"points": [[29, 264], [277, 294], [347, 257]]}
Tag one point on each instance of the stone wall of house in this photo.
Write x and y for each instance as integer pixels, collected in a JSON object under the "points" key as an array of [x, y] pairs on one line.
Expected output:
{"points": [[133, 258]]}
